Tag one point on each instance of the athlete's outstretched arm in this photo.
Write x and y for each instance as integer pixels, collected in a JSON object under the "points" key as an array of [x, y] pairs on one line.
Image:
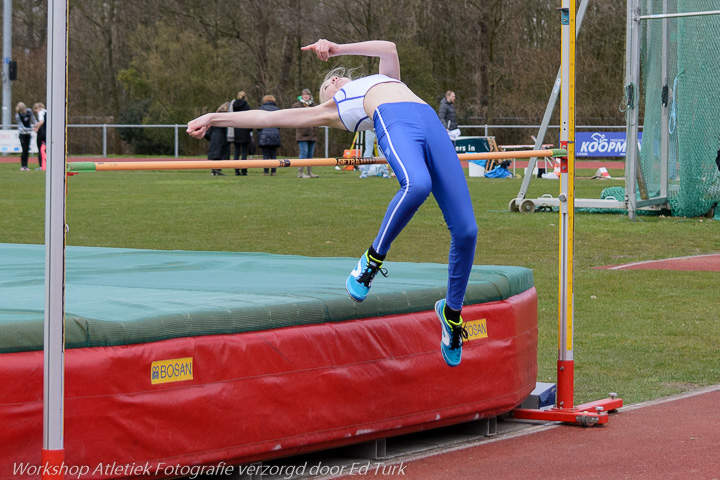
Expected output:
{"points": [[322, 115], [386, 51]]}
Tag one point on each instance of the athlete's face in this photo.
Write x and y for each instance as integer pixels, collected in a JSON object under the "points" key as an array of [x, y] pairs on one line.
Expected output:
{"points": [[331, 86]]}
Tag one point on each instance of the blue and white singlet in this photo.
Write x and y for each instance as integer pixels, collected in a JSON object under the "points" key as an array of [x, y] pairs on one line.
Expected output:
{"points": [[350, 98]]}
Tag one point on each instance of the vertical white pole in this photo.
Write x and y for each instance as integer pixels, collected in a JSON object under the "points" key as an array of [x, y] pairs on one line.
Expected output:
{"points": [[54, 350], [664, 112], [632, 83], [7, 56]]}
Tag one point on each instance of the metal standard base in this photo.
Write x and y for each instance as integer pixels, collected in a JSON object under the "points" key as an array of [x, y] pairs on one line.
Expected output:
{"points": [[587, 415], [530, 205]]}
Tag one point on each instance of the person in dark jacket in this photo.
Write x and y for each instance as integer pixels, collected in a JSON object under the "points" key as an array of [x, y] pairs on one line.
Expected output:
{"points": [[219, 148], [40, 130], [306, 136], [447, 115], [269, 138], [240, 137], [26, 121]]}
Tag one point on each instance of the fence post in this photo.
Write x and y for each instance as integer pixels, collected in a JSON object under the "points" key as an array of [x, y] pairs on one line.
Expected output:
{"points": [[326, 141], [176, 141], [104, 140]]}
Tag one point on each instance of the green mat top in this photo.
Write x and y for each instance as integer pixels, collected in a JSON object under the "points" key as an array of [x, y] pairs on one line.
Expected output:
{"points": [[117, 296]]}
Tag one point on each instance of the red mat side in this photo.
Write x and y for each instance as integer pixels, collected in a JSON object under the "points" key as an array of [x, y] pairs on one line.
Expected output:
{"points": [[270, 394]]}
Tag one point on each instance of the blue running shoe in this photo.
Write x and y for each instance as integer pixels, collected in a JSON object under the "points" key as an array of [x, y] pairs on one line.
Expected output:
{"points": [[359, 282], [452, 336]]}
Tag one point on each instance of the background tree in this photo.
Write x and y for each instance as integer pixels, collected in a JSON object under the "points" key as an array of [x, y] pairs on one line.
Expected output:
{"points": [[166, 61], [29, 51]]}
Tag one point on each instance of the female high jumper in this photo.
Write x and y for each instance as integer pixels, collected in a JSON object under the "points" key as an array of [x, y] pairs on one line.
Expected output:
{"points": [[415, 144]]}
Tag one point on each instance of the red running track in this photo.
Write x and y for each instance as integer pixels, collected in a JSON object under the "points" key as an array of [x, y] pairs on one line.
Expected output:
{"points": [[673, 438], [695, 263]]}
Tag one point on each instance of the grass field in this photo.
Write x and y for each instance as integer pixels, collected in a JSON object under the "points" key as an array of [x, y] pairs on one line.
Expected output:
{"points": [[641, 333]]}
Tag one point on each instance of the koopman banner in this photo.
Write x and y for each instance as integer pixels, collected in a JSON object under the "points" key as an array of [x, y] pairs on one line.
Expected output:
{"points": [[601, 144]]}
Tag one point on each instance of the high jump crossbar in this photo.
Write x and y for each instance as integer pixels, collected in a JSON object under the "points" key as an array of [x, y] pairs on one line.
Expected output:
{"points": [[77, 167]]}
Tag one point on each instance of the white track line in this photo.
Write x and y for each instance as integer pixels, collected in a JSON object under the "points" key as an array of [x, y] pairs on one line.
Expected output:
{"points": [[645, 262]]}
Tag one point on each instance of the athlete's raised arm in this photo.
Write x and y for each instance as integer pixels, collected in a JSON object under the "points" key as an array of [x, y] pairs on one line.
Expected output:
{"points": [[322, 115], [386, 51]]}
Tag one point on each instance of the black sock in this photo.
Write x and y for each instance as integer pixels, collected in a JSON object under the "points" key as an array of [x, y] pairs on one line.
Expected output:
{"points": [[452, 315], [372, 253]]}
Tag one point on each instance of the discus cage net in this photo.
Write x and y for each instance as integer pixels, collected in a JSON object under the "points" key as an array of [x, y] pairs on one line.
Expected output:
{"points": [[680, 88]]}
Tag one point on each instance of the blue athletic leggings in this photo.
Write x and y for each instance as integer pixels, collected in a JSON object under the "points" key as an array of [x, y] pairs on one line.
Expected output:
{"points": [[418, 149]]}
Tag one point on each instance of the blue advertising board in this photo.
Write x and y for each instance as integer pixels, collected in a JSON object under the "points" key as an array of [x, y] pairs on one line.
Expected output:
{"points": [[601, 144], [474, 144]]}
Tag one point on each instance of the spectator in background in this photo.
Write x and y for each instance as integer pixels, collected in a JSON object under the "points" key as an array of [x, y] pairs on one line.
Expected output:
{"points": [[219, 148], [26, 121], [40, 130], [306, 136], [269, 137], [240, 137], [447, 115]]}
